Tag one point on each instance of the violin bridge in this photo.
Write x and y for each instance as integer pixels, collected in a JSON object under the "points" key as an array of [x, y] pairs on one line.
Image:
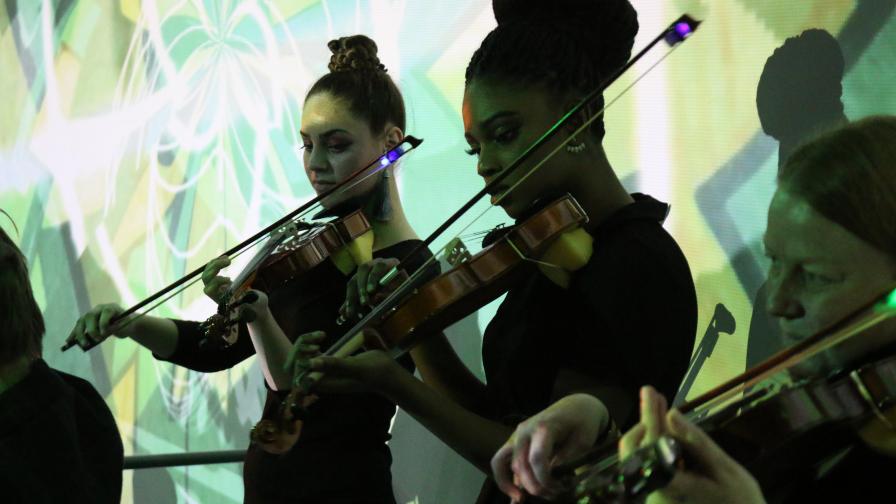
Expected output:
{"points": [[457, 252], [287, 229], [291, 228]]}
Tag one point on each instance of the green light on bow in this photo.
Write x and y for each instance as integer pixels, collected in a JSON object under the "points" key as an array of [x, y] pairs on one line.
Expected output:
{"points": [[891, 299]]}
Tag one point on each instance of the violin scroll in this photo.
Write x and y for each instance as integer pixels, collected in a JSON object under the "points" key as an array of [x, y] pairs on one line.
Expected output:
{"points": [[279, 434]]}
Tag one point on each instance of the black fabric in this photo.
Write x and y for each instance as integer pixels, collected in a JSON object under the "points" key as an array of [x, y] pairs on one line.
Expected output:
{"points": [[862, 475], [58, 441], [628, 319], [343, 437]]}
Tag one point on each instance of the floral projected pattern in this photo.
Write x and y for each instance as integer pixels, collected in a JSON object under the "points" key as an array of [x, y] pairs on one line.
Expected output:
{"points": [[144, 137]]}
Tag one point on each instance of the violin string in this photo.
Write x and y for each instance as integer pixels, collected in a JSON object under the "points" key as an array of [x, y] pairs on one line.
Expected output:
{"points": [[318, 205], [550, 155], [137, 316], [172, 294], [299, 217], [249, 246], [562, 144], [584, 126], [858, 327], [371, 172], [415, 276], [475, 235], [391, 297]]}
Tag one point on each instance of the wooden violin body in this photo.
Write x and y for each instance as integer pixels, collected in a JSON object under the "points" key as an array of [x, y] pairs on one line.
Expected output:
{"points": [[552, 240], [827, 396], [477, 280], [337, 240], [290, 253], [474, 281]]}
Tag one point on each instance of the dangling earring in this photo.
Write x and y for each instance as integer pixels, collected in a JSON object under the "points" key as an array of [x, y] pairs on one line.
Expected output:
{"points": [[574, 146], [383, 208]]}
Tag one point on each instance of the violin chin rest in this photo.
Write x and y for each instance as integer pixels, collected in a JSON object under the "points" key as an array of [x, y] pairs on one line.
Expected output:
{"points": [[352, 255], [570, 252]]}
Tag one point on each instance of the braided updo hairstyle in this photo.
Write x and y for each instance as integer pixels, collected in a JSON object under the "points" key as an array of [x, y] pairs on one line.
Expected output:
{"points": [[567, 46], [357, 76]]}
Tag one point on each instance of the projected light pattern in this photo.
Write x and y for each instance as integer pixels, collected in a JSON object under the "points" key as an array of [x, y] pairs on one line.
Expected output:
{"points": [[143, 137]]}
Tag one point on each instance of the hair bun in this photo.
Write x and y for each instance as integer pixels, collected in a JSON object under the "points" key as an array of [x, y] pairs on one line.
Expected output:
{"points": [[354, 54], [607, 28]]}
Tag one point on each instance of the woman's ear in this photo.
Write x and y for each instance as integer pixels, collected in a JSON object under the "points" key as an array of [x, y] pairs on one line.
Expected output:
{"points": [[394, 136]]}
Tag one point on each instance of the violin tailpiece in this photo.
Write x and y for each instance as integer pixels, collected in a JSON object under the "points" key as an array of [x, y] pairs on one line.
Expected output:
{"points": [[456, 252]]}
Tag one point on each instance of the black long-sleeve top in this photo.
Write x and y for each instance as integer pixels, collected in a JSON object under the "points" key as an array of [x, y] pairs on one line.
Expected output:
{"points": [[342, 456]]}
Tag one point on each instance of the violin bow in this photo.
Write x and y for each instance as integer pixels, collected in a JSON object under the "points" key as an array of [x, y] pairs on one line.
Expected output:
{"points": [[674, 34], [870, 313], [407, 144]]}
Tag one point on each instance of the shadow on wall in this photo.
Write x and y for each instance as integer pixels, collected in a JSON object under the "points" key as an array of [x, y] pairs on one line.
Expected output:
{"points": [[798, 97]]}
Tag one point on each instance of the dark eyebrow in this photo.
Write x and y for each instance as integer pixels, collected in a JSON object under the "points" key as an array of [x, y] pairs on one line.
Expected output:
{"points": [[328, 133], [486, 124], [496, 117]]}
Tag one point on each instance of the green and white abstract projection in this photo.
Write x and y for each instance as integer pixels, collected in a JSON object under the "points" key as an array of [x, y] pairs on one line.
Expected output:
{"points": [[144, 137]]}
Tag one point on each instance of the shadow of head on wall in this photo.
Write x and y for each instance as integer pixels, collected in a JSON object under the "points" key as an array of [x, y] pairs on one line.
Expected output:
{"points": [[800, 89]]}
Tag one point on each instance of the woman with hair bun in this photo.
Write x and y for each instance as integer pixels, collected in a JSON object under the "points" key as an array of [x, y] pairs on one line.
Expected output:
{"points": [[627, 318], [350, 116]]}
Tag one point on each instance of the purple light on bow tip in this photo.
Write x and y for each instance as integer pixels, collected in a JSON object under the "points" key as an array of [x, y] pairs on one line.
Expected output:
{"points": [[683, 29], [393, 155]]}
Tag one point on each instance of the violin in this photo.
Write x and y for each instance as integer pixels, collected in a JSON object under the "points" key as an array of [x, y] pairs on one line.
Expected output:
{"points": [[802, 405], [552, 240], [289, 252], [286, 232]]}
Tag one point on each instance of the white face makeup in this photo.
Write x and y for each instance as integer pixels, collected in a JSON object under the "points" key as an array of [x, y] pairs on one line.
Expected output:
{"points": [[336, 144]]}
